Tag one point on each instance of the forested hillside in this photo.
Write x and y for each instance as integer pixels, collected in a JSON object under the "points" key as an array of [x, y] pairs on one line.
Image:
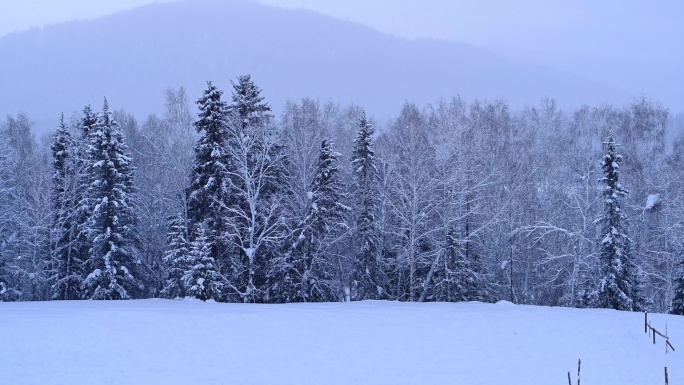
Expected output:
{"points": [[133, 56]]}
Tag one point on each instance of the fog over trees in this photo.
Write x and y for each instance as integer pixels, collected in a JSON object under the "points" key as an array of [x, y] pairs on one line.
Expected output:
{"points": [[220, 199]]}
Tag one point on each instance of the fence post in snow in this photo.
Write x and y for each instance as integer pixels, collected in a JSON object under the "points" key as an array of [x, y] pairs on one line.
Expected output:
{"points": [[579, 362], [666, 379], [645, 322], [569, 380]]}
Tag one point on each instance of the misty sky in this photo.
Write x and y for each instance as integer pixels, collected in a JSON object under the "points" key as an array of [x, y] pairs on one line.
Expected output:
{"points": [[615, 41]]}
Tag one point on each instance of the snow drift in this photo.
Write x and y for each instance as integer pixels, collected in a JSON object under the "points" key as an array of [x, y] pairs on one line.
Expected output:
{"points": [[189, 342]]}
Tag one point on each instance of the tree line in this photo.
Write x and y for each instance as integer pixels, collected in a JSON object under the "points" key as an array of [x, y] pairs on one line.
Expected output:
{"points": [[456, 201]]}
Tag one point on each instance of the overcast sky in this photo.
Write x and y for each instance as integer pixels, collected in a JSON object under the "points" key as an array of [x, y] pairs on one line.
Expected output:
{"points": [[609, 40]]}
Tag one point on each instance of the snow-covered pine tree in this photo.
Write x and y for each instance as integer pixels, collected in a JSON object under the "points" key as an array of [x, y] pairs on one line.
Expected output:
{"points": [[618, 287], [209, 191], [312, 275], [367, 275], [328, 224], [252, 115], [175, 257], [248, 105], [209, 176], [84, 179], [678, 299], [66, 265], [257, 174], [201, 279], [88, 126], [112, 263]]}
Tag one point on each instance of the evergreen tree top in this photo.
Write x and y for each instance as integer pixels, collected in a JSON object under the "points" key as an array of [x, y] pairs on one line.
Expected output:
{"points": [[248, 104], [611, 169], [61, 139], [324, 181], [106, 116], [363, 158], [62, 145], [327, 155], [89, 121], [212, 110]]}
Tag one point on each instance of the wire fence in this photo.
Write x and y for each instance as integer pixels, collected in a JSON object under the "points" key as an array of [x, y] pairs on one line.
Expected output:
{"points": [[653, 333]]}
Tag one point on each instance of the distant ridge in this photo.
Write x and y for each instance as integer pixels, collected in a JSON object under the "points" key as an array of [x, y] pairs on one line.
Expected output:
{"points": [[133, 56]]}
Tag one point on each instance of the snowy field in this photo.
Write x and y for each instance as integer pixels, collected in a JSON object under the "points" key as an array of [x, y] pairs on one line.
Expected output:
{"points": [[187, 342]]}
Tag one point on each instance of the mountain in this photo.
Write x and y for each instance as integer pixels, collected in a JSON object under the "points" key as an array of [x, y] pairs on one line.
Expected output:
{"points": [[133, 56]]}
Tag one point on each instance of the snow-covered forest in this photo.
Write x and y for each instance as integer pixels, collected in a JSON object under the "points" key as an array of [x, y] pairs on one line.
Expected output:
{"points": [[455, 201]]}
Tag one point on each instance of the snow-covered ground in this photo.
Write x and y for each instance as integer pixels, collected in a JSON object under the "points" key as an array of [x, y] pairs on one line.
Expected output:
{"points": [[189, 342]]}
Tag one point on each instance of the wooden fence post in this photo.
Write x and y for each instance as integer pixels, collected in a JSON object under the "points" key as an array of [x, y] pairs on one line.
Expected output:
{"points": [[645, 322], [666, 379], [666, 338], [579, 362]]}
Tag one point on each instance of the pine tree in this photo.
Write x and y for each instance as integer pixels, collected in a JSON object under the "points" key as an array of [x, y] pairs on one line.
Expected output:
{"points": [[618, 288], [201, 279], [367, 276], [208, 188], [209, 192], [254, 220], [67, 266], [84, 179], [678, 300], [175, 257], [327, 215], [112, 259], [252, 115], [311, 276], [248, 105]]}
